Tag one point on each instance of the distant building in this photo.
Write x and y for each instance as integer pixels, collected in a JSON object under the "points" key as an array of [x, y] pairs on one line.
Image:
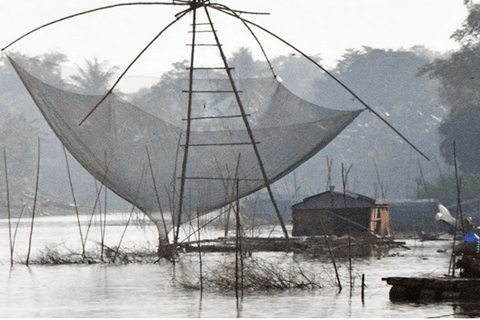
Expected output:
{"points": [[337, 213], [417, 216]]}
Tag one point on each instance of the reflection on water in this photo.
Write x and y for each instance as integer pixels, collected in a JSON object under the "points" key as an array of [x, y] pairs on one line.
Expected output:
{"points": [[150, 290]]}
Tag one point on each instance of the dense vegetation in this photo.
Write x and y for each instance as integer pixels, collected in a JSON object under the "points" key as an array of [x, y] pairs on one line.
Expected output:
{"points": [[433, 100]]}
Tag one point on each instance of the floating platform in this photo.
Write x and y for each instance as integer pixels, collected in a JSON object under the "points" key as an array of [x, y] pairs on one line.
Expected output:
{"points": [[433, 289], [310, 245]]}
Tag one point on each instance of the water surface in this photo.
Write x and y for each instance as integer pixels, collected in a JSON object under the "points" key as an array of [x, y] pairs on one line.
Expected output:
{"points": [[151, 290]]}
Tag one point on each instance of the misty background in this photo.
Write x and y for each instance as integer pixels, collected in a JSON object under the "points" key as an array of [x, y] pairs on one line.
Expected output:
{"points": [[431, 98]]}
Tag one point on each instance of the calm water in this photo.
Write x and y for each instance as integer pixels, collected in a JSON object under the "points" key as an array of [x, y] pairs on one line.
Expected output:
{"points": [[148, 290]]}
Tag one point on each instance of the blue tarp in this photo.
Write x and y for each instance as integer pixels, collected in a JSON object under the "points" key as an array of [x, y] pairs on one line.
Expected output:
{"points": [[471, 237]]}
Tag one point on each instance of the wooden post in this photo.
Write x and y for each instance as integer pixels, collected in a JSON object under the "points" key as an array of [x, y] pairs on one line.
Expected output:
{"points": [[8, 208], [363, 287]]}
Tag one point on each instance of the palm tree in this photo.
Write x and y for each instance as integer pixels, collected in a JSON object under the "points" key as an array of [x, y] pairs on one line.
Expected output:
{"points": [[93, 79]]}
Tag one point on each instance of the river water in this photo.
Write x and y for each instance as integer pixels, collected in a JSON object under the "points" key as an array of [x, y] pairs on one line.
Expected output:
{"points": [[152, 290]]}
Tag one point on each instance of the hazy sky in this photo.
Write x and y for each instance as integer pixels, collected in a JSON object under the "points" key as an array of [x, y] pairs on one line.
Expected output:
{"points": [[326, 27]]}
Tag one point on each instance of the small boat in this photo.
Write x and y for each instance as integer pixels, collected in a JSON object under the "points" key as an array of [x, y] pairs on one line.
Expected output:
{"points": [[465, 286]]}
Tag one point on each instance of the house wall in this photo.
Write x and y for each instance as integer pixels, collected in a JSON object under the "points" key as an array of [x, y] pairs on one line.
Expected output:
{"points": [[308, 223]]}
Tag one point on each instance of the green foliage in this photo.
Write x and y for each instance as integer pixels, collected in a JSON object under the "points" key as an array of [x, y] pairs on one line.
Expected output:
{"points": [[444, 188], [459, 76]]}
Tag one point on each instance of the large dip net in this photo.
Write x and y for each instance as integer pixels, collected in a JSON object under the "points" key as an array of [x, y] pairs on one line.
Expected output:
{"points": [[137, 153], [205, 141]]}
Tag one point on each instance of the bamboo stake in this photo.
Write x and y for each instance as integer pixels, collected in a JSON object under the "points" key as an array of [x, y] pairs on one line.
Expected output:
{"points": [[16, 227], [104, 228], [158, 201], [348, 228], [451, 264], [93, 211], [34, 205], [237, 244], [458, 184], [363, 287], [239, 236], [331, 253], [8, 207], [199, 251], [99, 217], [75, 204], [130, 216]]}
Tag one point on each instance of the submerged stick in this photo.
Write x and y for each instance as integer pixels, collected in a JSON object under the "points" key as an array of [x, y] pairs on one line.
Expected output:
{"points": [[8, 207], [34, 205]]}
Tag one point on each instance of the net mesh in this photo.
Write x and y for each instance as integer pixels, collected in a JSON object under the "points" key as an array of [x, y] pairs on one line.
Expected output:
{"points": [[136, 150]]}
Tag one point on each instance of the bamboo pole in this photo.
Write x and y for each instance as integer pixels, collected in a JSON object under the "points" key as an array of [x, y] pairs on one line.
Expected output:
{"points": [[99, 216], [189, 123], [240, 235], [363, 287], [34, 205], [16, 226], [458, 182], [344, 178], [103, 228], [199, 251], [130, 216], [236, 254], [97, 199], [247, 126], [160, 244], [8, 207], [75, 204], [451, 265]]}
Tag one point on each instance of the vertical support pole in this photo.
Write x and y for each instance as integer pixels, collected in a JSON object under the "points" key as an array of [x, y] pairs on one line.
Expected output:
{"points": [[458, 184], [247, 126], [363, 287], [8, 207], [238, 245], [199, 251], [189, 114], [348, 229]]}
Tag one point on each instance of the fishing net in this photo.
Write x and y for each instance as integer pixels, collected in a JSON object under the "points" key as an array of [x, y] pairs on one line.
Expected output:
{"points": [[136, 149]]}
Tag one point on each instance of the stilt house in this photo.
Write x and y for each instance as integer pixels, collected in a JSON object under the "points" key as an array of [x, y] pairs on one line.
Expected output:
{"points": [[337, 213]]}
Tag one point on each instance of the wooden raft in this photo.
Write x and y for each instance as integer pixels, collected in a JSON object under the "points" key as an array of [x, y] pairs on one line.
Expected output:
{"points": [[437, 289], [294, 244]]}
